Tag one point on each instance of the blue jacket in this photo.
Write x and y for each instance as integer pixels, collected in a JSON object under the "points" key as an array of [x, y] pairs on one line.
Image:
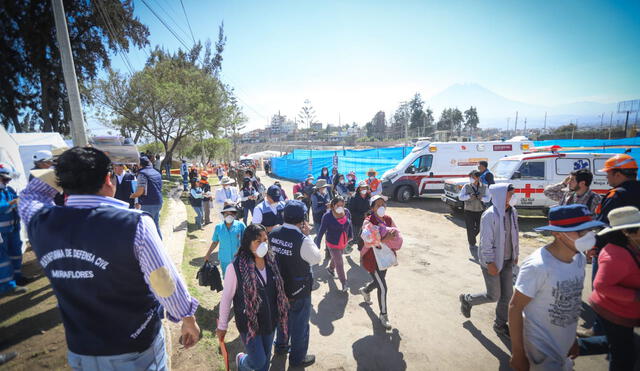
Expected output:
{"points": [[333, 229]]}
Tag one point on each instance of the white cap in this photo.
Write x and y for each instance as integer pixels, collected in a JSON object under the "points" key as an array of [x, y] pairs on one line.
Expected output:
{"points": [[42, 155], [376, 198]]}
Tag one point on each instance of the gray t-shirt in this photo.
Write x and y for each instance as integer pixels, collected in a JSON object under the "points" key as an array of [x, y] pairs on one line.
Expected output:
{"points": [[551, 318], [142, 182]]}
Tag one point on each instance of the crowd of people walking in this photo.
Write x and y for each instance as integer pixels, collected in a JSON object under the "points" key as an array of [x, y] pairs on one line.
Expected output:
{"points": [[110, 241]]}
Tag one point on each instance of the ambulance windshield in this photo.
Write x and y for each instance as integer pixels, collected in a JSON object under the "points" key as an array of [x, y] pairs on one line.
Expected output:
{"points": [[505, 168]]}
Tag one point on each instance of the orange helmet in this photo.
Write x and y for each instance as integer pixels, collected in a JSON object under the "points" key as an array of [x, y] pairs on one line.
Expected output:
{"points": [[204, 173], [621, 161]]}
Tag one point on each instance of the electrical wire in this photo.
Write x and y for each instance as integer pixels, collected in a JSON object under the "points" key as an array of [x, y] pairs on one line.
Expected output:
{"points": [[188, 23]]}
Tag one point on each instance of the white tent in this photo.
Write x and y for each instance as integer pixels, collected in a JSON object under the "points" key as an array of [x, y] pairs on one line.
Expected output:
{"points": [[30, 143], [10, 155], [264, 155]]}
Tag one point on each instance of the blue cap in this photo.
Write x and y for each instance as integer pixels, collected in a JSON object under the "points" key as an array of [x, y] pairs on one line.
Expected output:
{"points": [[294, 210], [144, 161], [570, 218], [274, 192]]}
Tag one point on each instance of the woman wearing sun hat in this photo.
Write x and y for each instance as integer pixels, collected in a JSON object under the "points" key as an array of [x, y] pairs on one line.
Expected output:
{"points": [[548, 292], [616, 294], [374, 183]]}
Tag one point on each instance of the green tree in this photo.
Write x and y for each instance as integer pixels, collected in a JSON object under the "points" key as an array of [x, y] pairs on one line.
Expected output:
{"points": [[379, 125], [32, 91], [369, 128], [171, 99], [307, 114], [214, 149], [400, 119], [471, 119]]}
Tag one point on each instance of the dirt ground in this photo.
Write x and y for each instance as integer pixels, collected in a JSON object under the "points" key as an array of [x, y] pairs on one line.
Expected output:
{"points": [[429, 333]]}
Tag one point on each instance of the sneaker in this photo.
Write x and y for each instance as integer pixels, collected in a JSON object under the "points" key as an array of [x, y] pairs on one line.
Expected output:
{"points": [[365, 295], [465, 307], [308, 360], [6, 357], [585, 332], [384, 320], [344, 288], [23, 281], [239, 356], [501, 330], [331, 272], [20, 290]]}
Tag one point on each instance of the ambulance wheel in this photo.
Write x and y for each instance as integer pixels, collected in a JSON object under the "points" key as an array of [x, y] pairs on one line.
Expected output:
{"points": [[404, 194]]}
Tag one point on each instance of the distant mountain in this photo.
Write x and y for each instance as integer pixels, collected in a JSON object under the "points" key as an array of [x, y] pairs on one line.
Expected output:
{"points": [[494, 109]]}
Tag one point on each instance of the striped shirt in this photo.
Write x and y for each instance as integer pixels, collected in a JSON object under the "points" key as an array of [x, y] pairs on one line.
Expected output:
{"points": [[148, 247]]}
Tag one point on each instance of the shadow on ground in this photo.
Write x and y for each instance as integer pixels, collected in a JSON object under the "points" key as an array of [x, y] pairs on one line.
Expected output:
{"points": [[387, 355], [490, 346]]}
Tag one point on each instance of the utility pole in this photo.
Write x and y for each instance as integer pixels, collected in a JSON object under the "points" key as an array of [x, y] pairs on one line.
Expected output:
{"points": [[508, 119], [610, 124], [626, 124], [78, 132], [545, 121], [602, 121], [515, 129], [525, 126]]}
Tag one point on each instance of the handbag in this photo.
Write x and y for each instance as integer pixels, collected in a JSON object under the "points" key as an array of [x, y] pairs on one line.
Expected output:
{"points": [[385, 257], [209, 275]]}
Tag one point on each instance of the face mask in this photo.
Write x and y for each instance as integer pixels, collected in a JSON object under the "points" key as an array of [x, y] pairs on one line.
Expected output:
{"points": [[229, 219], [339, 210], [262, 250], [2, 185], [323, 191], [363, 192], [341, 181], [380, 211], [324, 173], [585, 242], [471, 180], [372, 177], [513, 202]]}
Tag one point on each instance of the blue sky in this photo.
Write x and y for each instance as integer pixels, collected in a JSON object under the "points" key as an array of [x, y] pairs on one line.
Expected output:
{"points": [[353, 58]]}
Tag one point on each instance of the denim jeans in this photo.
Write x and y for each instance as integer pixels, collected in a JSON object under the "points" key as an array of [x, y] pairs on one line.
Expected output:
{"points": [[154, 210], [258, 352], [199, 211], [499, 289], [597, 325], [154, 358], [245, 214], [185, 182], [298, 324], [618, 342]]}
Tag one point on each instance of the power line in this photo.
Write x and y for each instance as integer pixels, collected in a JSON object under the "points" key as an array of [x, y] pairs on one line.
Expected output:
{"points": [[111, 31], [188, 23], [170, 17], [168, 27]]}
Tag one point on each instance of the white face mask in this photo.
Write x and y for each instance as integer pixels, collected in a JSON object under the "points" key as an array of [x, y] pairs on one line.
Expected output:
{"points": [[381, 210], [513, 202], [372, 177], [229, 219], [471, 180], [323, 191], [339, 210], [341, 181], [585, 242], [363, 192], [262, 250]]}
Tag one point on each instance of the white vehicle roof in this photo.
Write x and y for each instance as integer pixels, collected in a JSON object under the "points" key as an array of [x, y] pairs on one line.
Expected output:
{"points": [[530, 156], [423, 144]]}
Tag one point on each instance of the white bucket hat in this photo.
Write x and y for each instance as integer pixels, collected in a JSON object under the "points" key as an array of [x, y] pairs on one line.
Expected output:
{"points": [[622, 218], [226, 181]]}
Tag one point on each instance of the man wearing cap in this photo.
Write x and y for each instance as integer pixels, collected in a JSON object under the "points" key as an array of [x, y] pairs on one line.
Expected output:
{"points": [[149, 192], [269, 212], [107, 267], [207, 199], [184, 172], [548, 292], [11, 279], [124, 188], [320, 200], [498, 253], [374, 183], [44, 160], [295, 254], [228, 235]]}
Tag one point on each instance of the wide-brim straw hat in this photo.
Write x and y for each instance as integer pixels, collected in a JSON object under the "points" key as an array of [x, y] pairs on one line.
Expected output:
{"points": [[321, 183], [226, 180], [372, 171], [625, 217]]}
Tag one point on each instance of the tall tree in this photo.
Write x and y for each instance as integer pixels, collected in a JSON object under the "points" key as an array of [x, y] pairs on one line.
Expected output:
{"points": [[400, 119], [171, 99], [307, 114], [31, 83], [379, 125], [471, 120], [456, 121]]}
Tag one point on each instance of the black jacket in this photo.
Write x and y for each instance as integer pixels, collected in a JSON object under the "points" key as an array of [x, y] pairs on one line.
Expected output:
{"points": [[124, 189]]}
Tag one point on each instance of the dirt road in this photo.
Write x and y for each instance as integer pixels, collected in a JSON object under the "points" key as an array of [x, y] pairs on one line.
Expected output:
{"points": [[429, 333]]}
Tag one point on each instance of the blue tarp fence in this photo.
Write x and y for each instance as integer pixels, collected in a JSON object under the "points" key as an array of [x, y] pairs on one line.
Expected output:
{"points": [[300, 162]]}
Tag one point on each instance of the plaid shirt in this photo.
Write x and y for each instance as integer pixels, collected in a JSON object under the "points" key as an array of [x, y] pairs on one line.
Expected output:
{"points": [[560, 193]]}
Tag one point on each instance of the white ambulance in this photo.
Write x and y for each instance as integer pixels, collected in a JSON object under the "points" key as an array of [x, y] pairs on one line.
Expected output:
{"points": [[423, 171], [530, 173]]}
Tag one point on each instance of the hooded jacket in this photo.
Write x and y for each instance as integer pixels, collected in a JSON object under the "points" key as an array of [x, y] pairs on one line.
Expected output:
{"points": [[492, 232]]}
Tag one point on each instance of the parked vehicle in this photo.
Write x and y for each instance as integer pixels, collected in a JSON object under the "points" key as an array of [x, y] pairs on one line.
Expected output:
{"points": [[530, 173], [423, 171]]}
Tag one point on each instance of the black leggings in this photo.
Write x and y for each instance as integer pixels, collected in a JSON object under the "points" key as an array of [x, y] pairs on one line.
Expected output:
{"points": [[380, 283]]}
